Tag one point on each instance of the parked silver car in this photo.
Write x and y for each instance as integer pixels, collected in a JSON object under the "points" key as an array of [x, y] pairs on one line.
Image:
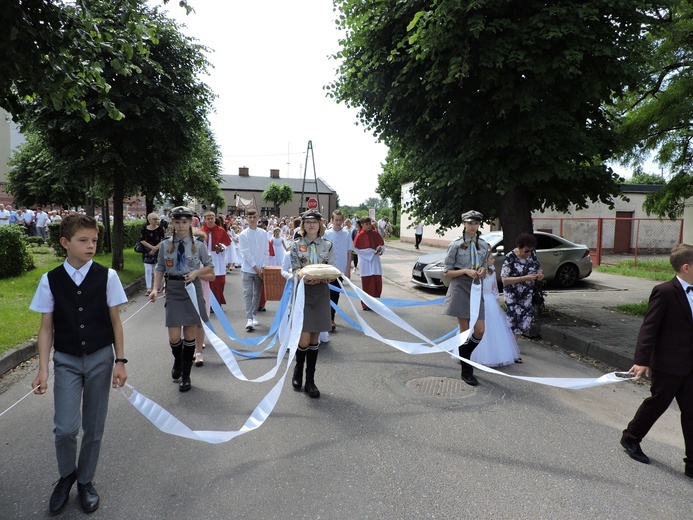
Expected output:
{"points": [[563, 262]]}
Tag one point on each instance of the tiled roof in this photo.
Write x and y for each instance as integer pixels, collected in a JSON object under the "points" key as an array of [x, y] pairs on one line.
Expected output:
{"points": [[251, 183]]}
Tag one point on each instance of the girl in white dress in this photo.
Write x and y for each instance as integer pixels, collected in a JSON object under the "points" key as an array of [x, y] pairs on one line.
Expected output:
{"points": [[233, 257], [279, 247], [498, 346]]}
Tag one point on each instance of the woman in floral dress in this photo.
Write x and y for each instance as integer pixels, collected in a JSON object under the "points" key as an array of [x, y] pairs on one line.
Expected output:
{"points": [[520, 272]]}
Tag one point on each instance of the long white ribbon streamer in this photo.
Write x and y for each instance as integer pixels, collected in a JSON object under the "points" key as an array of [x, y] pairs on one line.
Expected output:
{"points": [[572, 383], [289, 334]]}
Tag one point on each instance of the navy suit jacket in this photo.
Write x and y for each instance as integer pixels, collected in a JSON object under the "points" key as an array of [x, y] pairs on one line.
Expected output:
{"points": [[665, 341]]}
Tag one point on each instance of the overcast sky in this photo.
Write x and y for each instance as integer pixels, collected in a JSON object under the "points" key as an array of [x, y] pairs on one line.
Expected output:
{"points": [[270, 66]]}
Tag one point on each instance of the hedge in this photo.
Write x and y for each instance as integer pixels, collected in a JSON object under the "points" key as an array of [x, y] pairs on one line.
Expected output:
{"points": [[14, 254], [131, 235]]}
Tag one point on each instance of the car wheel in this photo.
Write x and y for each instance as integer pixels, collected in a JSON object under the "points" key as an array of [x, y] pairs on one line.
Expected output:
{"points": [[567, 275]]}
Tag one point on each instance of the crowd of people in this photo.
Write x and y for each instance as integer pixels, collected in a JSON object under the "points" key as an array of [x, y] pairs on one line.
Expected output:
{"points": [[80, 322]]}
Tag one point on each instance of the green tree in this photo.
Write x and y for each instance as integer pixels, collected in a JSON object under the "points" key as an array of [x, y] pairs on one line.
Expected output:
{"points": [[390, 182], [165, 107], [278, 194], [657, 120], [374, 203], [53, 52], [640, 177], [499, 105], [36, 177]]}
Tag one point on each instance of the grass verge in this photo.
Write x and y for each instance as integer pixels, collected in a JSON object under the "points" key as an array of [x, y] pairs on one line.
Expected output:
{"points": [[19, 324], [659, 270]]}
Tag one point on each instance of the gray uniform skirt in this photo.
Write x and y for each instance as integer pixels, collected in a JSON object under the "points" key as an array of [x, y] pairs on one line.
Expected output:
{"points": [[457, 298], [316, 312], [180, 311]]}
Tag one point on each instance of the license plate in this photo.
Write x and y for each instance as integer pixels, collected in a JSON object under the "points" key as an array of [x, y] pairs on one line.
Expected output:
{"points": [[416, 273]]}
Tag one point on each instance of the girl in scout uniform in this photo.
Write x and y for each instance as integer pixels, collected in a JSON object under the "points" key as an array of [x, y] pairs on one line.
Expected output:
{"points": [[311, 248], [465, 263], [182, 260]]}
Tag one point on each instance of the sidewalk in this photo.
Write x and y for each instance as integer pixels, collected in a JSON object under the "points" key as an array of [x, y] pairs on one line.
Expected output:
{"points": [[586, 321]]}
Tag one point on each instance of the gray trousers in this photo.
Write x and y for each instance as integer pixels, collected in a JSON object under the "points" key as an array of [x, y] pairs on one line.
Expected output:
{"points": [[84, 382], [252, 285]]}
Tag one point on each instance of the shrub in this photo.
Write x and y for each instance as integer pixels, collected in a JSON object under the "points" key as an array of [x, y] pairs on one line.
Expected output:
{"points": [[131, 235], [34, 240], [14, 255], [395, 230]]}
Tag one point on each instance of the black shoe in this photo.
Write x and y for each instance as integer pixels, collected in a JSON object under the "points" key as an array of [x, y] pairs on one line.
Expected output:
{"points": [[688, 471], [261, 309], [469, 379], [297, 379], [61, 493], [88, 497], [312, 390], [185, 384], [634, 451]]}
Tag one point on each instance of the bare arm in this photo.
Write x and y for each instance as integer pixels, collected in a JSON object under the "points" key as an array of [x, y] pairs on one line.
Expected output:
{"points": [[45, 342], [119, 373]]}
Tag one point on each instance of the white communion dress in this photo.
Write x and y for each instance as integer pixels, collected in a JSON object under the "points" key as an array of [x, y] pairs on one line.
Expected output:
{"points": [[498, 346]]}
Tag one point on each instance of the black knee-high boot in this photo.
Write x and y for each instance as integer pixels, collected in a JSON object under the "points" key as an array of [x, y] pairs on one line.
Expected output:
{"points": [[311, 359], [177, 351], [297, 379], [188, 353], [466, 350]]}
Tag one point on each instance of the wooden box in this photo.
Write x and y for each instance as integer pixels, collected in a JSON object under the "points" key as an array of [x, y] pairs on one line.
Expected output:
{"points": [[273, 282]]}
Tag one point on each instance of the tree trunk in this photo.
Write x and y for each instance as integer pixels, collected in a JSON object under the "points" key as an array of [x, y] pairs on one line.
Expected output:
{"points": [[117, 262], [515, 216]]}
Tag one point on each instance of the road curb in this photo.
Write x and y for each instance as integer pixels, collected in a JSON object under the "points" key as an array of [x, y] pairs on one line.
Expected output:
{"points": [[574, 341], [27, 350]]}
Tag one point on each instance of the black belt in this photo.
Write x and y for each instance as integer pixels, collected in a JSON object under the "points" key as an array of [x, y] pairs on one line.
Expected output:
{"points": [[175, 277]]}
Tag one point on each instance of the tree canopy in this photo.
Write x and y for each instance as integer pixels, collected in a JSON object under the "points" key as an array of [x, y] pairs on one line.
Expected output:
{"points": [[278, 194], [53, 52], [163, 144], [498, 106], [657, 124]]}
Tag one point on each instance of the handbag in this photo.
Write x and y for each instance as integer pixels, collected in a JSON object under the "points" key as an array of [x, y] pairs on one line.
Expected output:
{"points": [[139, 247]]}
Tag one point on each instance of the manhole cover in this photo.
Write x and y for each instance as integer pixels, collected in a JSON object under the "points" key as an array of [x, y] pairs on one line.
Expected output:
{"points": [[440, 387]]}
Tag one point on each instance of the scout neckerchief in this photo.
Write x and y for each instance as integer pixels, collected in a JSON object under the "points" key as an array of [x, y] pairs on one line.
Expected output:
{"points": [[313, 253], [180, 257]]}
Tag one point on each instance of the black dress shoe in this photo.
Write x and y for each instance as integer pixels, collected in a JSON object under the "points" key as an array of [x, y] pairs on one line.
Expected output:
{"points": [[634, 451], [88, 497], [61, 493], [185, 384], [689, 471]]}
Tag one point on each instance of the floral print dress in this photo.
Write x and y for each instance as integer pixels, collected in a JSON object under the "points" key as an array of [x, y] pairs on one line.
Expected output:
{"points": [[518, 297]]}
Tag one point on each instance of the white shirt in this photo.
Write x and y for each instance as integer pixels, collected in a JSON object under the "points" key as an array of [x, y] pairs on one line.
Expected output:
{"points": [[254, 248], [419, 229], [44, 302], [4, 217], [41, 219], [28, 216], [341, 240]]}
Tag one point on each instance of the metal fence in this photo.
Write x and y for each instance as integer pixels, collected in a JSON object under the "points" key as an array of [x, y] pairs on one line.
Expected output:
{"points": [[615, 239]]}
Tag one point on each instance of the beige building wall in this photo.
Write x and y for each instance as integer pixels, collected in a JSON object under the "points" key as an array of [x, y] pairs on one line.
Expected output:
{"points": [[10, 138]]}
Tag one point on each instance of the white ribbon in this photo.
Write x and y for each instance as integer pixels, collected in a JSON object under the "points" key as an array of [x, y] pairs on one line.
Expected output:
{"points": [[289, 334]]}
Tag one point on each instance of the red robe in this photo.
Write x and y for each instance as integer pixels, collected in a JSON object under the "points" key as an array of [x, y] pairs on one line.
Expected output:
{"points": [[219, 236]]}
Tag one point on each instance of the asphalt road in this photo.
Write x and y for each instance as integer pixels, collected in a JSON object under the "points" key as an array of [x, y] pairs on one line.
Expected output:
{"points": [[373, 446]]}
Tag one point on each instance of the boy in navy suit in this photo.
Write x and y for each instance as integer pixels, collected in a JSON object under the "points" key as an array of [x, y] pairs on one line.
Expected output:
{"points": [[79, 304], [665, 352]]}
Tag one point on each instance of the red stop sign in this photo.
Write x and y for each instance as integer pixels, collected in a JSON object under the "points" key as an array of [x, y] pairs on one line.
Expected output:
{"points": [[312, 203]]}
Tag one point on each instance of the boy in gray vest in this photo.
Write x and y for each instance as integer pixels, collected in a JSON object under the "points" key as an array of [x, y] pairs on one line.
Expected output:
{"points": [[79, 304]]}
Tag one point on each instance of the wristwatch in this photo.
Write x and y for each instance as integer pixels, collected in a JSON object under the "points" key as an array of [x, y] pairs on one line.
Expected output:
{"points": [[120, 360]]}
